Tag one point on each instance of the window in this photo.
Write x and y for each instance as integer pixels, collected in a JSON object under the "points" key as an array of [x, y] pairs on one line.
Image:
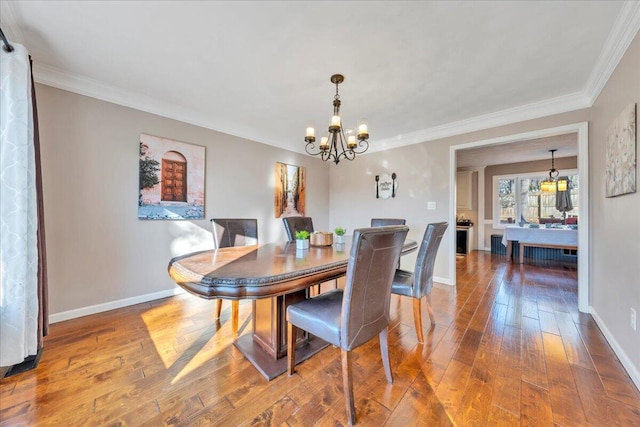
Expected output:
{"points": [[517, 198]]}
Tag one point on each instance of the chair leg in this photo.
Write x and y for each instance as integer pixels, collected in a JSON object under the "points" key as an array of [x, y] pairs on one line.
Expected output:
{"points": [[384, 351], [430, 310], [235, 310], [218, 308], [292, 331], [417, 319], [348, 386]]}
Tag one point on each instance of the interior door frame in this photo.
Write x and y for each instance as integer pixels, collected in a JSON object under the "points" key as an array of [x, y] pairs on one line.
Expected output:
{"points": [[582, 131]]}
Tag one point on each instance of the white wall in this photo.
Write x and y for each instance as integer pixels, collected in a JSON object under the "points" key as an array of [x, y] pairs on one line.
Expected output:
{"points": [[615, 258], [98, 251]]}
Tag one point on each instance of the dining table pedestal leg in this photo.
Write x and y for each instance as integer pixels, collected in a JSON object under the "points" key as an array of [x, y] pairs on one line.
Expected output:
{"points": [[266, 347]]}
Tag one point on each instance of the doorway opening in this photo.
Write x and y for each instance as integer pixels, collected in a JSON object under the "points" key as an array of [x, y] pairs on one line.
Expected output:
{"points": [[581, 130]]}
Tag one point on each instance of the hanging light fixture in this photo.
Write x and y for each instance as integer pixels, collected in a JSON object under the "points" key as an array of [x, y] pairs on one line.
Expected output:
{"points": [[551, 184], [338, 145]]}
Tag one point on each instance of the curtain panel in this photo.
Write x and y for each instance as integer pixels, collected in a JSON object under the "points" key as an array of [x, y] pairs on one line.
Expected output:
{"points": [[23, 311]]}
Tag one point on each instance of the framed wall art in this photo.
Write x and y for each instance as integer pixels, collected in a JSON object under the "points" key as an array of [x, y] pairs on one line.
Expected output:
{"points": [[386, 185], [290, 190], [620, 172], [171, 180]]}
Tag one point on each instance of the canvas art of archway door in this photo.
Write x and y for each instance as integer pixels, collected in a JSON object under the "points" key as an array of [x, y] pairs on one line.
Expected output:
{"points": [[174, 177]]}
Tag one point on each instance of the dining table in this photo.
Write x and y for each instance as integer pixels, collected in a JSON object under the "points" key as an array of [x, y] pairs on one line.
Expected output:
{"points": [[272, 275], [560, 237]]}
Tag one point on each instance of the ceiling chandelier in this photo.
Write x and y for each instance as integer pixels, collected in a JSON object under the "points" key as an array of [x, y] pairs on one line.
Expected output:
{"points": [[332, 147], [551, 184]]}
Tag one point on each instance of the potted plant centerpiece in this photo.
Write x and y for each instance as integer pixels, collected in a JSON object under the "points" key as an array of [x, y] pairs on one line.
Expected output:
{"points": [[302, 239], [339, 234]]}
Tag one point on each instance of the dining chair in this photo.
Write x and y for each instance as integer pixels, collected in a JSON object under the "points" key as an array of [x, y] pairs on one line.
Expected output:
{"points": [[418, 283], [351, 317], [293, 224], [379, 222], [228, 232]]}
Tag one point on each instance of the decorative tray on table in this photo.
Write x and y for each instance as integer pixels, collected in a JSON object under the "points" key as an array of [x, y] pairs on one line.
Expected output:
{"points": [[321, 238]]}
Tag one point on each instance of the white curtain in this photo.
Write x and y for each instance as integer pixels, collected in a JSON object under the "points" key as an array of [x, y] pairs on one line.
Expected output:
{"points": [[18, 211]]}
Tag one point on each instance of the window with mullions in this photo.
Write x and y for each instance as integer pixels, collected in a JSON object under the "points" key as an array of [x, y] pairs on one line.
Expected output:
{"points": [[518, 199]]}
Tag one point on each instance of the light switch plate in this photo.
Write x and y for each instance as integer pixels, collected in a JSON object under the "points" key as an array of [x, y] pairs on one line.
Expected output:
{"points": [[431, 206]]}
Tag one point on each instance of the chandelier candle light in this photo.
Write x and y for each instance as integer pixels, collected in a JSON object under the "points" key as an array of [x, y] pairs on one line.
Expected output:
{"points": [[551, 184], [332, 147]]}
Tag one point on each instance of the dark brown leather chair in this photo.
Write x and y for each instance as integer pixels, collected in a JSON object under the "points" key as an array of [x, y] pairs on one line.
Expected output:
{"points": [[293, 224], [350, 318], [379, 222], [418, 283], [228, 232]]}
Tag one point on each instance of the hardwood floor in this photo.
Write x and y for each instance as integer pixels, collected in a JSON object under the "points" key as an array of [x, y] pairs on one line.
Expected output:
{"points": [[509, 348]]}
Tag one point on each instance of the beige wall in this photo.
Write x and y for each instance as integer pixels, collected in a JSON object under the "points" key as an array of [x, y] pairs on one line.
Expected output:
{"points": [[615, 229], [423, 176], [98, 251]]}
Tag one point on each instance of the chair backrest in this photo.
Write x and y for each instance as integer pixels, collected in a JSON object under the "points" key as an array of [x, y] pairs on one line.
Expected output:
{"points": [[228, 232], [293, 224], [367, 293], [379, 222], [423, 273]]}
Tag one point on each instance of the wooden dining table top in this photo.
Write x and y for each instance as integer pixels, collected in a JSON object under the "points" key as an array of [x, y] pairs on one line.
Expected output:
{"points": [[261, 271]]}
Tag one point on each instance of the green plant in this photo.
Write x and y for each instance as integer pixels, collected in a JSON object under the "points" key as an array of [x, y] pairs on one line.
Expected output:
{"points": [[149, 169], [339, 231], [302, 235]]}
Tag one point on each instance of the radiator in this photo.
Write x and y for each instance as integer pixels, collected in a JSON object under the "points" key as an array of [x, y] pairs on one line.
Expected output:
{"points": [[564, 255]]}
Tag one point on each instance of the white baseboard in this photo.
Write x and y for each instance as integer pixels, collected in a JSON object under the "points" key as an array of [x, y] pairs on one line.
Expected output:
{"points": [[442, 280], [624, 358], [112, 305]]}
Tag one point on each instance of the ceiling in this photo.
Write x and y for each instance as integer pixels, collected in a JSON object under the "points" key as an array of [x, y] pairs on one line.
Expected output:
{"points": [[260, 70]]}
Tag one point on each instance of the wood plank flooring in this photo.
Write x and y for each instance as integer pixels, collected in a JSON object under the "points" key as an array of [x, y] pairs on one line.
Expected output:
{"points": [[509, 348]]}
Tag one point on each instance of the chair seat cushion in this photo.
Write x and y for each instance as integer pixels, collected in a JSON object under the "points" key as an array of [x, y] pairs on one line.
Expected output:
{"points": [[402, 283], [319, 316]]}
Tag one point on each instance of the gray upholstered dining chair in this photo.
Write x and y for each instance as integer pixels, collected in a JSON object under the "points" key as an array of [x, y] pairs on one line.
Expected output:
{"points": [[379, 222], [350, 318], [293, 224], [228, 232], [418, 283]]}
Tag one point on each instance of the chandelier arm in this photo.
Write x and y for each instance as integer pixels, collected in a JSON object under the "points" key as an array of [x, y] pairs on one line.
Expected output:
{"points": [[362, 143], [311, 145], [344, 154]]}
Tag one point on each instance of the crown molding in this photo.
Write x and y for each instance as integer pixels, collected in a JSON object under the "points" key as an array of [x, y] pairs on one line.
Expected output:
{"points": [[10, 28], [622, 34], [547, 107], [76, 83], [625, 29]]}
